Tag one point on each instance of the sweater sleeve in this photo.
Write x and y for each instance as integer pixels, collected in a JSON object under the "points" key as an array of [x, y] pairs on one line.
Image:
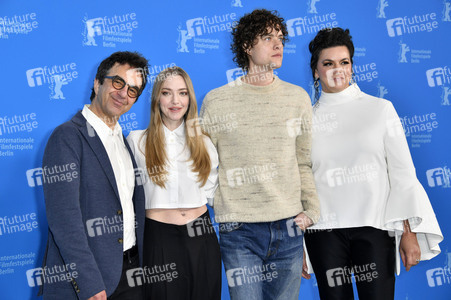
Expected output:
{"points": [[309, 197], [206, 120], [407, 198]]}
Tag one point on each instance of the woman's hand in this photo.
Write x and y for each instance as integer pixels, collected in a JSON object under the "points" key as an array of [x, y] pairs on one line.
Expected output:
{"points": [[305, 273], [409, 248]]}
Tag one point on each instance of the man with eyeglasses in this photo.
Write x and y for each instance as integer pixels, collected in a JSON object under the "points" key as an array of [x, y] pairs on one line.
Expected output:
{"points": [[96, 220]]}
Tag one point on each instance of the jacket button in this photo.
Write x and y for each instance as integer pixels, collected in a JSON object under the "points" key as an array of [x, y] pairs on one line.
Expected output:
{"points": [[119, 212], [120, 240]]}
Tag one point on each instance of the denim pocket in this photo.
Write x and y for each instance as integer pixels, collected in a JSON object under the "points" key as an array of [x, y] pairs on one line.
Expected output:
{"points": [[229, 226]]}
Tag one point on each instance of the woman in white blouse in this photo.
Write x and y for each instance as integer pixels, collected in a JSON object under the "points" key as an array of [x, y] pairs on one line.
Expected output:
{"points": [[181, 251], [373, 208]]}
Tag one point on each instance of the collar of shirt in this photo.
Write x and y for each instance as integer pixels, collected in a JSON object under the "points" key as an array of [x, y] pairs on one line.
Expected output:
{"points": [[99, 126], [122, 166], [177, 135], [348, 94]]}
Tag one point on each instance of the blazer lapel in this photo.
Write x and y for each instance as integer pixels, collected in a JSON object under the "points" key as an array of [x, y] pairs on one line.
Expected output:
{"points": [[97, 147], [140, 177]]}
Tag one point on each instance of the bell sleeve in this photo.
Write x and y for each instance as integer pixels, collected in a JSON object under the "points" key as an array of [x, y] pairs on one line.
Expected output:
{"points": [[407, 199]]}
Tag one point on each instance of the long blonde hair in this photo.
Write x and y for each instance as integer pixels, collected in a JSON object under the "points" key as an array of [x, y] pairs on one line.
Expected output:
{"points": [[155, 153]]}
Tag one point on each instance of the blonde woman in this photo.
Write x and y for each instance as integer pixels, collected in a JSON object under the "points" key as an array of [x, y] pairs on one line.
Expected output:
{"points": [[181, 252]]}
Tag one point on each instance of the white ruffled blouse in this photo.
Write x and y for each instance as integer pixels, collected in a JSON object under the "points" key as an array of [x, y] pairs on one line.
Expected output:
{"points": [[364, 172]]}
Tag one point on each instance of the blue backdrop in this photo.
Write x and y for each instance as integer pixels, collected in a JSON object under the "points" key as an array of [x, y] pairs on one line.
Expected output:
{"points": [[50, 51]]}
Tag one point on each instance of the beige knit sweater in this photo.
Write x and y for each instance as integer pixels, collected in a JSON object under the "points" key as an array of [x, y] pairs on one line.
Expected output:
{"points": [[263, 138]]}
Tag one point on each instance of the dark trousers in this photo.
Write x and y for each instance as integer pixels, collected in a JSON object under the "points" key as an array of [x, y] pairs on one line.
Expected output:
{"points": [[124, 291], [182, 261], [367, 252]]}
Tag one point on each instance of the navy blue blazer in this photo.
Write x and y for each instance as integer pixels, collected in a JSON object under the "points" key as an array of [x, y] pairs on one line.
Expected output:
{"points": [[84, 214]]}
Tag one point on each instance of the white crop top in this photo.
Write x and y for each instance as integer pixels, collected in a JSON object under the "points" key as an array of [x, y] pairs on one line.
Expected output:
{"points": [[182, 188]]}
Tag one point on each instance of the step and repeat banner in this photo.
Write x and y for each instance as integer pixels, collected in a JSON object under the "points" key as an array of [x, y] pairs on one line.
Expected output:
{"points": [[50, 51]]}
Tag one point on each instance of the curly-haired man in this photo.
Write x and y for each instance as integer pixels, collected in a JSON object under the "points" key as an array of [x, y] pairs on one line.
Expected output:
{"points": [[266, 197]]}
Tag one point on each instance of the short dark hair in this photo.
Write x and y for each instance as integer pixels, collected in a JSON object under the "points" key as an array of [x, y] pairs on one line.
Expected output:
{"points": [[327, 38], [251, 26], [134, 59]]}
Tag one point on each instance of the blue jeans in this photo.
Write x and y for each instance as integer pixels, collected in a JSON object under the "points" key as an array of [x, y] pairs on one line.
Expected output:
{"points": [[262, 260]]}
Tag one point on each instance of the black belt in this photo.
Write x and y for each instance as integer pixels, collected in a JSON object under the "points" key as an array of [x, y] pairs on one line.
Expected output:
{"points": [[132, 252]]}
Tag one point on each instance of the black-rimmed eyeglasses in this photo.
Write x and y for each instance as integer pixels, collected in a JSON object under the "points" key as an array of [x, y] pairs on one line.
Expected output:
{"points": [[119, 83]]}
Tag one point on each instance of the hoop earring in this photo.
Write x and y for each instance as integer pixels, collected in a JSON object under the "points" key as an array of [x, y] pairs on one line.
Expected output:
{"points": [[316, 85]]}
